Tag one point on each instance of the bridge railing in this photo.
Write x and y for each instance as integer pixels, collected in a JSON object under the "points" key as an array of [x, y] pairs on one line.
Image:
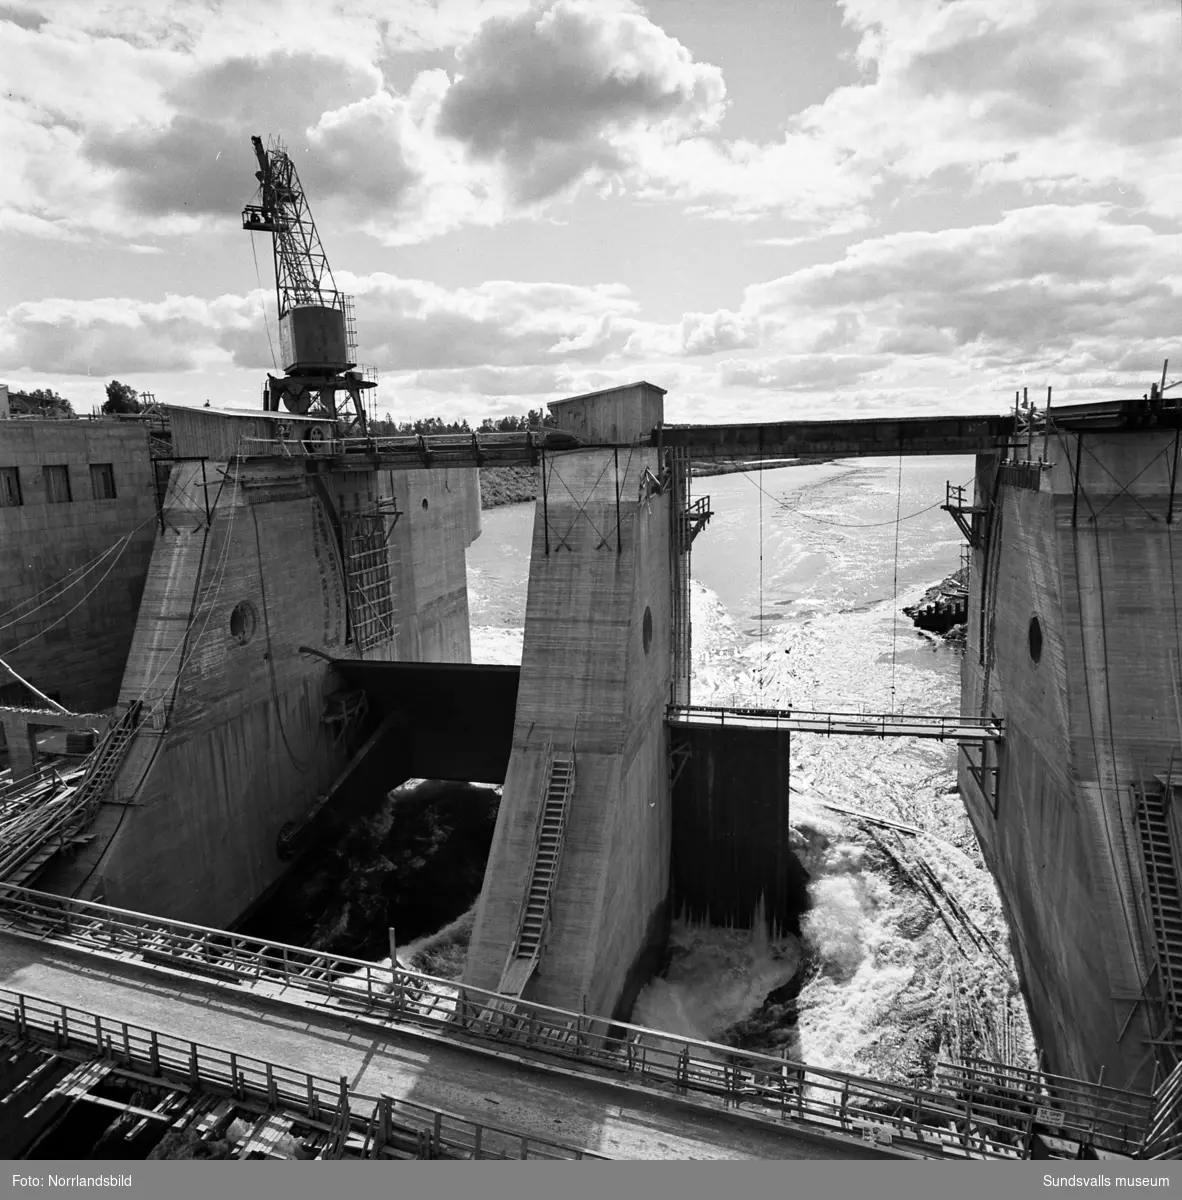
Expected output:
{"points": [[379, 1121], [990, 1111], [935, 725], [461, 446]]}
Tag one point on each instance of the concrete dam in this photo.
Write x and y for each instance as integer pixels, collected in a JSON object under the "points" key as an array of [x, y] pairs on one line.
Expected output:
{"points": [[300, 643]]}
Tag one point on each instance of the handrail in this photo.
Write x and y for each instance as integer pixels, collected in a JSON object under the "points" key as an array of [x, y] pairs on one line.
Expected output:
{"points": [[328, 1102], [990, 1114], [937, 725], [72, 806], [1163, 1137]]}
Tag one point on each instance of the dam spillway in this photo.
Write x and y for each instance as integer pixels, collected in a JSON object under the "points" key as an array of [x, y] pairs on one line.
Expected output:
{"points": [[613, 523]]}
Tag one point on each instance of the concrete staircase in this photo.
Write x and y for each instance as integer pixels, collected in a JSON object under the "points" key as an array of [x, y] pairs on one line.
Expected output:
{"points": [[523, 959], [1163, 894]]}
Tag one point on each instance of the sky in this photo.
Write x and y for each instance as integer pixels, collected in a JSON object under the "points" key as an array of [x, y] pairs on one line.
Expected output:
{"points": [[771, 208]]}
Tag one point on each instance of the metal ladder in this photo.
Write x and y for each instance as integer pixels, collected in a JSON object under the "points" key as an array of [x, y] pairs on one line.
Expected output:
{"points": [[527, 948], [1165, 902]]}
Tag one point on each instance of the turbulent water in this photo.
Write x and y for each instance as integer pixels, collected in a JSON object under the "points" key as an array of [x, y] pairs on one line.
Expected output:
{"points": [[798, 585]]}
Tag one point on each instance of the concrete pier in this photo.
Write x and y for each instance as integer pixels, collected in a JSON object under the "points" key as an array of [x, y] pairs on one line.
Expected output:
{"points": [[1072, 638], [237, 737], [595, 679]]}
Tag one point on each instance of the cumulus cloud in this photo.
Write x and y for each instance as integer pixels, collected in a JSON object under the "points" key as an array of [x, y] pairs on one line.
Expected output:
{"points": [[803, 373], [198, 162], [548, 93], [105, 336], [405, 325], [1067, 294], [1007, 91]]}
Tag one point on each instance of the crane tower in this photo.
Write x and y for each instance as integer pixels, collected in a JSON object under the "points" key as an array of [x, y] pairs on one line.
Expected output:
{"points": [[316, 331]]}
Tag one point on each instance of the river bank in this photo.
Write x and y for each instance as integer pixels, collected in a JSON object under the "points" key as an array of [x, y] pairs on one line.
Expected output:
{"points": [[943, 608], [517, 485]]}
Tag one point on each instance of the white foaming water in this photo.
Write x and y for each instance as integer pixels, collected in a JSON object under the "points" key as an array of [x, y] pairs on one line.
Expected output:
{"points": [[885, 985]]}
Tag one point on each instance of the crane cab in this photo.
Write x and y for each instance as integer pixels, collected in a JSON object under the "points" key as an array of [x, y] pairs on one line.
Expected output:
{"points": [[262, 220]]}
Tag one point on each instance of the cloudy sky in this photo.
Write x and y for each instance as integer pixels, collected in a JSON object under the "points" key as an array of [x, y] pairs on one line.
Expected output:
{"points": [[768, 207]]}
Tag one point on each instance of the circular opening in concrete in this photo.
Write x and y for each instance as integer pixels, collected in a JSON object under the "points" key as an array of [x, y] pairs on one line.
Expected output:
{"points": [[646, 631], [1035, 636], [242, 622], [425, 506]]}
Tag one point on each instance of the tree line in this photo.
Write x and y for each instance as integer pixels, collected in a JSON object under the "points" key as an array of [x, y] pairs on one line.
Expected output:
{"points": [[387, 427]]}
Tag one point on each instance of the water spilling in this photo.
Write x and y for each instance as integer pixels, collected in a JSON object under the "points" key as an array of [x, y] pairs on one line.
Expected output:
{"points": [[799, 583]]}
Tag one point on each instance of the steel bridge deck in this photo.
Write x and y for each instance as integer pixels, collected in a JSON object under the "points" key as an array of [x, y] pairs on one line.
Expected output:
{"points": [[941, 727]]}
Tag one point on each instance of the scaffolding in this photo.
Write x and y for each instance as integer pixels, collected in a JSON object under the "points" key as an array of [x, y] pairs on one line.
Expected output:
{"points": [[367, 575]]}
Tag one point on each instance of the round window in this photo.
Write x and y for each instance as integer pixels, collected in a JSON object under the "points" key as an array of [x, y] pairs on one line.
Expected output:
{"points": [[646, 631], [242, 622], [425, 505], [1035, 636]]}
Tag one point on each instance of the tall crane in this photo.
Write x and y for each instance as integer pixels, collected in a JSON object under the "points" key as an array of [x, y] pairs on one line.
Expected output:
{"points": [[316, 332]]}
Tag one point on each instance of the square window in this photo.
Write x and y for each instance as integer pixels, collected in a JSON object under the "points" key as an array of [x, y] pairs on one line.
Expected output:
{"points": [[102, 480], [10, 487], [57, 484]]}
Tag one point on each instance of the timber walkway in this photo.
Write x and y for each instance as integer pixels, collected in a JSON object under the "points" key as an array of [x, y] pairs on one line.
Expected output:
{"points": [[942, 727], [612, 1089]]}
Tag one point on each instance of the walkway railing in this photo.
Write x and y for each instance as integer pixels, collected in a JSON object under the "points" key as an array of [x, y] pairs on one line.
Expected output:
{"points": [[944, 727], [38, 830], [375, 1122], [988, 1111], [1164, 1136]]}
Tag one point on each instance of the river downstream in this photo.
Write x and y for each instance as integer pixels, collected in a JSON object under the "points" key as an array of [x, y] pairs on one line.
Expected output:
{"points": [[799, 583]]}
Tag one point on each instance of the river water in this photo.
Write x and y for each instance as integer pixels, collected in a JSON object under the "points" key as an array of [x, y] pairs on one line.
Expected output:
{"points": [[798, 583]]}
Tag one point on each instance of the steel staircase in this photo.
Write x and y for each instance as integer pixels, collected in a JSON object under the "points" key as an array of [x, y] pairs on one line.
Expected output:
{"points": [[531, 931], [1162, 892], [62, 816]]}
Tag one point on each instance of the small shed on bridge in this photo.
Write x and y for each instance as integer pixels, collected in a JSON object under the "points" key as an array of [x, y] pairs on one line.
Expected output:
{"points": [[614, 416]]}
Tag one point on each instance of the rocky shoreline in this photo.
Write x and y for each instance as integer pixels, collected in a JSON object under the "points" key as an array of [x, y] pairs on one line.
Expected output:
{"points": [[943, 609]]}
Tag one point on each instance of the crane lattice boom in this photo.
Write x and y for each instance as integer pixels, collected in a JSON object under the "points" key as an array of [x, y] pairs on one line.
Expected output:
{"points": [[316, 334], [302, 274]]}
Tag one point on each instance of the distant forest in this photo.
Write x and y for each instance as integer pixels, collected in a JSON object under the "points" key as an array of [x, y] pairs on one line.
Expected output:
{"points": [[386, 427]]}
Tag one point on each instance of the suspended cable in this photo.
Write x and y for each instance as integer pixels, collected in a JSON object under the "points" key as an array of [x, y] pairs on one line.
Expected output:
{"points": [[895, 591], [263, 308], [762, 665], [68, 580], [846, 524], [74, 608]]}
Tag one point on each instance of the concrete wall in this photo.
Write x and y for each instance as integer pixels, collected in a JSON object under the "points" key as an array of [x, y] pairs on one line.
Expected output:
{"points": [[78, 659], [588, 678], [234, 745], [1096, 712], [428, 545]]}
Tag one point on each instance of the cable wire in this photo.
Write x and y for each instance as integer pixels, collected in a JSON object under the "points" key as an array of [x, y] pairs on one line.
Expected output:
{"points": [[262, 307], [895, 593], [762, 671], [74, 608], [67, 581], [845, 524]]}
